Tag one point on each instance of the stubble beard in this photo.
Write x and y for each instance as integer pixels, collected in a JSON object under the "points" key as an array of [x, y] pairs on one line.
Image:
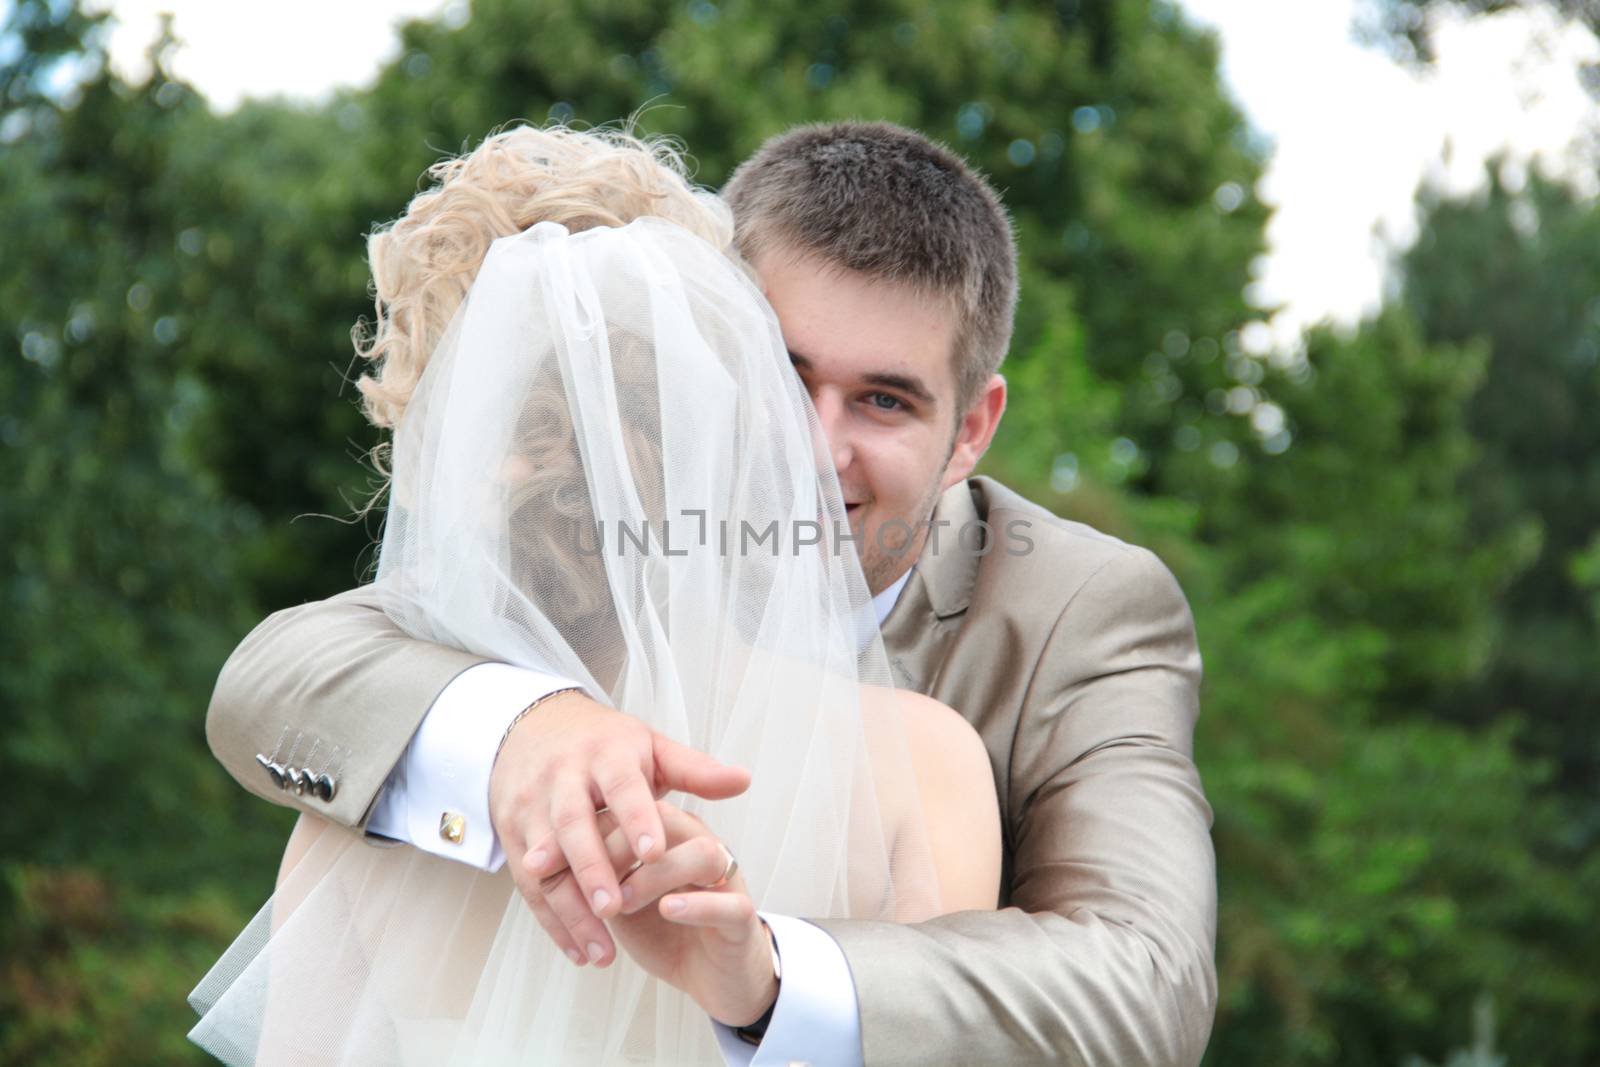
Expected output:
{"points": [[883, 565]]}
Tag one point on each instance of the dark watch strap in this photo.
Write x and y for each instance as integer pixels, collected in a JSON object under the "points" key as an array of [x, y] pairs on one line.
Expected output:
{"points": [[757, 1030]]}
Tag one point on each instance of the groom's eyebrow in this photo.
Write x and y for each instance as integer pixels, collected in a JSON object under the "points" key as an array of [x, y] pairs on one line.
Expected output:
{"points": [[904, 383]]}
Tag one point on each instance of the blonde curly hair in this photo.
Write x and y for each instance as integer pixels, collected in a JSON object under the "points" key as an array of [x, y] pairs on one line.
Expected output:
{"points": [[424, 262]]}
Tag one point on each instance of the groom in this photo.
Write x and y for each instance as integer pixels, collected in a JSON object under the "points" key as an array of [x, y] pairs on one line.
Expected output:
{"points": [[891, 267]]}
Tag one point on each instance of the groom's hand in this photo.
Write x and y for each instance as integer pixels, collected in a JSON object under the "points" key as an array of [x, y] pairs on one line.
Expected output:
{"points": [[567, 758], [708, 942]]}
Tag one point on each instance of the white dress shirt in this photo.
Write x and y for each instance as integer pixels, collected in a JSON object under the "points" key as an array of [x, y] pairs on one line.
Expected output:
{"points": [[445, 772]]}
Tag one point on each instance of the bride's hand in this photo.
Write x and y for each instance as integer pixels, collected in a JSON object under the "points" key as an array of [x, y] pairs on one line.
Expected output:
{"points": [[707, 942]]}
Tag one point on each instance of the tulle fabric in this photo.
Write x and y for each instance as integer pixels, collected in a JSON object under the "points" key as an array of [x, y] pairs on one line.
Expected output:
{"points": [[609, 471]]}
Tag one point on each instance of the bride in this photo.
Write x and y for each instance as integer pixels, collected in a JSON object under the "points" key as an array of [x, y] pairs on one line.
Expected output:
{"points": [[603, 465]]}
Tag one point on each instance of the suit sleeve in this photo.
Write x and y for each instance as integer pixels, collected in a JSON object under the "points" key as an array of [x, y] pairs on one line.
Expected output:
{"points": [[328, 688], [1106, 954]]}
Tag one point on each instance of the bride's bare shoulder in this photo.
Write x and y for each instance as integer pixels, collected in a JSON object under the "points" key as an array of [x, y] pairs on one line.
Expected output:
{"points": [[955, 794], [934, 731]]}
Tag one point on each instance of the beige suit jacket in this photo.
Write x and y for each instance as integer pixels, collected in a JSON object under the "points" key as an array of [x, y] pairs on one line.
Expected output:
{"points": [[1074, 656]]}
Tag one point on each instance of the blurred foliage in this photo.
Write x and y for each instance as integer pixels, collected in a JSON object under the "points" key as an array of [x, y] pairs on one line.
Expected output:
{"points": [[1520, 272], [1391, 537], [1586, 572]]}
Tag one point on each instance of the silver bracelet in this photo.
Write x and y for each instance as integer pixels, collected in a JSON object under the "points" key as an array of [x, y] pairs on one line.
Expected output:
{"points": [[530, 707]]}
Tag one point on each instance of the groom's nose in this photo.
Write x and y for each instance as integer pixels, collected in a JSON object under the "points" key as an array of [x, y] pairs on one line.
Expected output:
{"points": [[831, 414]]}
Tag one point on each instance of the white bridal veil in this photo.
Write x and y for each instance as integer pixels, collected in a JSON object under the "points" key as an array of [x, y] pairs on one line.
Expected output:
{"points": [[610, 471]]}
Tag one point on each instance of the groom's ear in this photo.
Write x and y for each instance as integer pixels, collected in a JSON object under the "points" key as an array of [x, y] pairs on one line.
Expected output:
{"points": [[976, 430]]}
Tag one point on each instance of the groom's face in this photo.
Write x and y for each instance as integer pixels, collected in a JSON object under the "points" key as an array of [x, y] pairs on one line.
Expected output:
{"points": [[877, 361]]}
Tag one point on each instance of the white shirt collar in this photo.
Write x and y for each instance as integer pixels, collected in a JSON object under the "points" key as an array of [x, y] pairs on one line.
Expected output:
{"points": [[884, 602]]}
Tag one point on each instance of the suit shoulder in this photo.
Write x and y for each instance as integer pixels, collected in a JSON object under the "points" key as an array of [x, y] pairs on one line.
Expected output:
{"points": [[1040, 562], [1033, 540]]}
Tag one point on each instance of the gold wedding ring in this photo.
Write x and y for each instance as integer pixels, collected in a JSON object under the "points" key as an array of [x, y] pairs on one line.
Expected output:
{"points": [[728, 871]]}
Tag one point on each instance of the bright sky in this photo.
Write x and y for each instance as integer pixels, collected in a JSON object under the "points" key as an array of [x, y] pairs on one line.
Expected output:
{"points": [[1354, 132]]}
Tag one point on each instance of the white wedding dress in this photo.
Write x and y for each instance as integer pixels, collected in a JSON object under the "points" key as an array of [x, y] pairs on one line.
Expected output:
{"points": [[594, 392]]}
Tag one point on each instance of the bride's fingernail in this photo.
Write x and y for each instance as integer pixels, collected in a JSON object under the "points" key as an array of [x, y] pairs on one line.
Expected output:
{"points": [[644, 844], [601, 899], [673, 904], [575, 956], [538, 859], [595, 952], [627, 894]]}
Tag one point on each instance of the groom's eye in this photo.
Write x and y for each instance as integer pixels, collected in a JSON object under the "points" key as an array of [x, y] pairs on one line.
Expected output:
{"points": [[885, 402]]}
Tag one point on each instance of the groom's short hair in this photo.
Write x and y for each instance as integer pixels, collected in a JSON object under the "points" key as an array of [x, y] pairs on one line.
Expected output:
{"points": [[888, 203]]}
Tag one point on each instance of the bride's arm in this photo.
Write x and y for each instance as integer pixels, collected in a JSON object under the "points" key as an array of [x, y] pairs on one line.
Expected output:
{"points": [[279, 1023], [290, 891], [307, 829], [959, 806]]}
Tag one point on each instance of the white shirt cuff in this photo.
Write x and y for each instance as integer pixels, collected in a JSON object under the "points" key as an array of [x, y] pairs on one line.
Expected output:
{"points": [[815, 1020], [444, 771]]}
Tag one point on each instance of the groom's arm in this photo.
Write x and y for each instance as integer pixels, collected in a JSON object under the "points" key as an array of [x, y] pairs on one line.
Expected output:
{"points": [[334, 687], [1105, 955], [408, 728]]}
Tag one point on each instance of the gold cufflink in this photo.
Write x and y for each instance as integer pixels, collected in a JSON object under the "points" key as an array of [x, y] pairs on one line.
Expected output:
{"points": [[453, 827]]}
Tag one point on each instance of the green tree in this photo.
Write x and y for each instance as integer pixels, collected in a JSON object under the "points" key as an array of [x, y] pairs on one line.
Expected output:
{"points": [[1586, 572], [121, 572], [1378, 870], [1519, 272]]}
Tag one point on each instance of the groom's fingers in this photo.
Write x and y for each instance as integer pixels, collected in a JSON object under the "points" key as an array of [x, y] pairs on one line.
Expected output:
{"points": [[544, 859], [578, 837], [698, 861], [555, 928], [557, 902], [690, 771], [677, 767], [528, 884], [733, 915], [567, 904], [631, 803]]}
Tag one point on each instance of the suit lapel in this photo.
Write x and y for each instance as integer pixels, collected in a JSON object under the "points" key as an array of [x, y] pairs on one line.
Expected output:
{"points": [[928, 613]]}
